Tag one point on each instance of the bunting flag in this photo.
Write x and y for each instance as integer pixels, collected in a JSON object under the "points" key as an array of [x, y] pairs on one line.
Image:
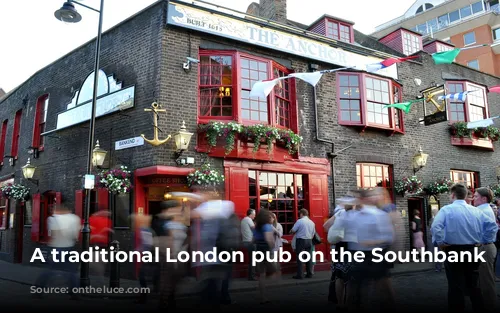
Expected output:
{"points": [[456, 96], [494, 89], [262, 89], [404, 106], [387, 62], [448, 57], [482, 123]]}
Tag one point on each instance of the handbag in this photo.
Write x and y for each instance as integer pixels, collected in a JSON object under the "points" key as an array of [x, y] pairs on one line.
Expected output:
{"points": [[335, 234], [316, 240]]}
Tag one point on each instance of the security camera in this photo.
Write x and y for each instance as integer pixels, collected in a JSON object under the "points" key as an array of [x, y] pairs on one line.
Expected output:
{"points": [[192, 60]]}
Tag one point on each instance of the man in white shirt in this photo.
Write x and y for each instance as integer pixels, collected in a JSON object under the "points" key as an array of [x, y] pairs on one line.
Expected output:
{"points": [[482, 198], [247, 226], [304, 230], [64, 228]]}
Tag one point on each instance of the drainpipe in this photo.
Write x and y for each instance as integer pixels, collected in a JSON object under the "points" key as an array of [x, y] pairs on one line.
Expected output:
{"points": [[331, 155]]}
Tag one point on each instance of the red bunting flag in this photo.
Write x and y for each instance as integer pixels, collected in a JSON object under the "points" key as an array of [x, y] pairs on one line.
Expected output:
{"points": [[494, 89]]}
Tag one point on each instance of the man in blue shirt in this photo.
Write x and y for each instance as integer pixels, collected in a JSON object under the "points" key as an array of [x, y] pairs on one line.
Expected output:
{"points": [[461, 227]]}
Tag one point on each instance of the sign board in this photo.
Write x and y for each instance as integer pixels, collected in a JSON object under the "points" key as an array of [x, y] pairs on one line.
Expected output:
{"points": [[129, 143], [430, 97], [119, 100], [89, 182], [176, 180], [219, 25], [435, 118]]}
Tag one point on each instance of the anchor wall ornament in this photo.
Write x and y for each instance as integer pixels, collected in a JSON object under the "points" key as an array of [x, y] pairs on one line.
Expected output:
{"points": [[155, 141], [430, 98]]}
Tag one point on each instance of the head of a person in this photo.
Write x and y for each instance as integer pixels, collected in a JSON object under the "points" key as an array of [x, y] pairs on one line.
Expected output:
{"points": [[381, 197], [275, 219], [497, 202], [142, 220], [494, 208], [458, 192], [416, 213], [171, 208], [483, 195], [61, 209], [368, 197], [303, 213], [470, 197], [262, 218], [251, 213]]}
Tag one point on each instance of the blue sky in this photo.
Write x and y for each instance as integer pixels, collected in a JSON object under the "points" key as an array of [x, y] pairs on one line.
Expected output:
{"points": [[31, 37]]}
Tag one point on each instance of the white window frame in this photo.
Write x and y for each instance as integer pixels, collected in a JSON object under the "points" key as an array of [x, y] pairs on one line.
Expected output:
{"points": [[411, 43], [474, 34]]}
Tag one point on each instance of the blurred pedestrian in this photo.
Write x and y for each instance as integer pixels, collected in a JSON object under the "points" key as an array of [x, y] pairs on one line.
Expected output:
{"points": [[278, 241], [100, 231], [264, 242], [64, 229], [247, 226], [142, 225], [304, 230]]}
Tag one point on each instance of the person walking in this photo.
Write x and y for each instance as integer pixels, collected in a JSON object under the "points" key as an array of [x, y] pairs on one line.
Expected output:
{"points": [[461, 227], [247, 226], [264, 242], [482, 198], [278, 241], [304, 230]]}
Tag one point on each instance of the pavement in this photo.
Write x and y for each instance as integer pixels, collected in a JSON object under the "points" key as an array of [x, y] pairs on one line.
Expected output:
{"points": [[27, 275]]}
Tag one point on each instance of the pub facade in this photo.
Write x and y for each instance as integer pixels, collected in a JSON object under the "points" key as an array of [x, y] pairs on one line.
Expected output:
{"points": [[192, 65]]}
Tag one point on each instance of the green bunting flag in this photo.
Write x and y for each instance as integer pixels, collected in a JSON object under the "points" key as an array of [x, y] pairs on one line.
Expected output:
{"points": [[445, 57], [404, 106]]}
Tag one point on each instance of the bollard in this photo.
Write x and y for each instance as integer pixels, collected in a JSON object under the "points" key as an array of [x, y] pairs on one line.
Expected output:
{"points": [[114, 275]]}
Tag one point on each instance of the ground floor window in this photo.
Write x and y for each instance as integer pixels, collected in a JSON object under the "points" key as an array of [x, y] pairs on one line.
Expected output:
{"points": [[467, 178], [371, 175], [3, 212], [281, 193]]}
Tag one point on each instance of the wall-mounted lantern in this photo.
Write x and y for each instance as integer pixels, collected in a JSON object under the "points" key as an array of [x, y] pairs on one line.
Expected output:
{"points": [[182, 139], [98, 155], [419, 160], [29, 171]]}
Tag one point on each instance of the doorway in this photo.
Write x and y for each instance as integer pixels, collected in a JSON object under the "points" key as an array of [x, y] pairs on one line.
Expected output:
{"points": [[417, 205]]}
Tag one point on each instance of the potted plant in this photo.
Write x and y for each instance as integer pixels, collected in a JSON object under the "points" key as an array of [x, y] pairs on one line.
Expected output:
{"points": [[439, 186], [117, 181], [460, 130], [409, 185], [228, 131], [205, 177], [15, 191]]}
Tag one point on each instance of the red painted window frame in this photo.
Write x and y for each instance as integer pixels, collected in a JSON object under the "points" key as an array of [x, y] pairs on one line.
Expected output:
{"points": [[236, 87], [2, 140], [363, 105], [474, 178], [14, 149], [465, 84], [351, 30], [361, 176], [36, 141], [39, 226]]}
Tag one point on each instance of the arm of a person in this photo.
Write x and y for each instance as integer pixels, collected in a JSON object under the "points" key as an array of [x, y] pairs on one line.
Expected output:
{"points": [[329, 223], [490, 229], [437, 228], [295, 227], [278, 230]]}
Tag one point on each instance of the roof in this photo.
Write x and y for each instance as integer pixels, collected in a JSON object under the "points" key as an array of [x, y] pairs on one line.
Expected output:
{"points": [[372, 42], [330, 17], [402, 28], [431, 40]]}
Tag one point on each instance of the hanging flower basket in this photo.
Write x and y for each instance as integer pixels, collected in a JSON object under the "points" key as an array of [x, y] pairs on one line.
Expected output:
{"points": [[438, 187], [409, 185], [496, 189], [15, 191], [116, 180], [205, 177], [257, 134]]}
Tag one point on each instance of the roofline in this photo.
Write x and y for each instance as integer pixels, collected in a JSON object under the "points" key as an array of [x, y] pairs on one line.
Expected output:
{"points": [[438, 40], [401, 28], [330, 17], [7, 95]]}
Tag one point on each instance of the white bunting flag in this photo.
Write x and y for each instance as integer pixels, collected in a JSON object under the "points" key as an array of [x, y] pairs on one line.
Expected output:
{"points": [[262, 89], [481, 123], [311, 78]]}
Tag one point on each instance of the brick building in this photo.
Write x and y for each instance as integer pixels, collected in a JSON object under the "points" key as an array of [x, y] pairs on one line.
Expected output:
{"points": [[344, 128]]}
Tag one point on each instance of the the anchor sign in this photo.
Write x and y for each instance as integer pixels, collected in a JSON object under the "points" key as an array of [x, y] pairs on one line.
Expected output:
{"points": [[155, 141]]}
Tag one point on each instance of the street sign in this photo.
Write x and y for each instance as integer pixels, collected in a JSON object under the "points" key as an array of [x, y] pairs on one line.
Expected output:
{"points": [[129, 143], [435, 118], [89, 182]]}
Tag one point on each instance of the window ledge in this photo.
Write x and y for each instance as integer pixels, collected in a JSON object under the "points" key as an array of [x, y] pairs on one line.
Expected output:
{"points": [[475, 142], [362, 128]]}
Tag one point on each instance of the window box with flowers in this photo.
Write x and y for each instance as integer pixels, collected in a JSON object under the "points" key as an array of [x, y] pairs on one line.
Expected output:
{"points": [[15, 191], [409, 186], [481, 137], [117, 181], [438, 187], [257, 141], [205, 177]]}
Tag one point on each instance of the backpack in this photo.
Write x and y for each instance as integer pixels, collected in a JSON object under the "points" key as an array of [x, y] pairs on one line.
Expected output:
{"points": [[229, 235]]}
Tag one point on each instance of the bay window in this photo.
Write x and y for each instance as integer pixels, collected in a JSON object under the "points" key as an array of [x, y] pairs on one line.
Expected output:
{"points": [[362, 98], [475, 106], [225, 81]]}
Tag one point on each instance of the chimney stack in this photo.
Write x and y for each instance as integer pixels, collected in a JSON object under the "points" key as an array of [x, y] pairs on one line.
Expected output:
{"points": [[269, 9]]}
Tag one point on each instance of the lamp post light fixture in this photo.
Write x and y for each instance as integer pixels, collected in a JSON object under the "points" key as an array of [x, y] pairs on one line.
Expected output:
{"points": [[182, 139], [419, 160], [98, 155], [67, 13], [29, 171]]}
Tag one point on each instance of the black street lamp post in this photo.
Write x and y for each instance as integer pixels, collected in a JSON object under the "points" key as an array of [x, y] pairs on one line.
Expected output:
{"points": [[69, 14]]}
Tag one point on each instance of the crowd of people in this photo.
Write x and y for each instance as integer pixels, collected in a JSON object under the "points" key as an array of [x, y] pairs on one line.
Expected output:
{"points": [[362, 221]]}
